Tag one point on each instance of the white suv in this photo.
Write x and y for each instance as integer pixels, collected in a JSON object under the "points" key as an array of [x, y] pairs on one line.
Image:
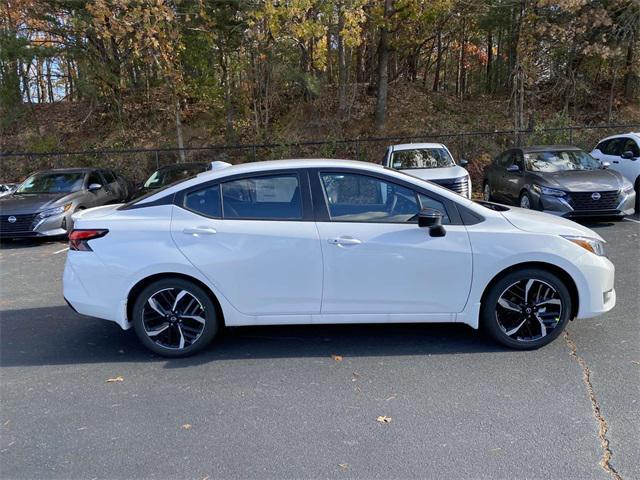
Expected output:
{"points": [[430, 161], [622, 152]]}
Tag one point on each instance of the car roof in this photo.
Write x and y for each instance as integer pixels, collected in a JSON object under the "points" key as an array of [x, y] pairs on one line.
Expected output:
{"points": [[547, 148], [414, 146], [633, 134]]}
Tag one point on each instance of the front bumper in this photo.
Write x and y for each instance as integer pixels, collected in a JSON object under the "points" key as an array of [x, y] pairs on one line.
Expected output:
{"points": [[598, 294], [566, 207], [29, 226]]}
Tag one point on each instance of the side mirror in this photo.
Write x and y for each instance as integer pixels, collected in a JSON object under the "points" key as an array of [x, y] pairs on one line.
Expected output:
{"points": [[605, 165], [627, 154], [431, 219], [463, 163], [94, 187]]}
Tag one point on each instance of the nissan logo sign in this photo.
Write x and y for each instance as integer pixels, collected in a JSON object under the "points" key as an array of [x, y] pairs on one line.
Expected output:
{"points": [[11, 219], [595, 196]]}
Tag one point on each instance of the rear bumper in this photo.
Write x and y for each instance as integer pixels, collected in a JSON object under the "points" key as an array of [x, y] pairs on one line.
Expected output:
{"points": [[78, 285]]}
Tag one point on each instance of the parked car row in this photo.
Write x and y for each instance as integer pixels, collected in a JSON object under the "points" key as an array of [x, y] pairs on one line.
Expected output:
{"points": [[562, 180]]}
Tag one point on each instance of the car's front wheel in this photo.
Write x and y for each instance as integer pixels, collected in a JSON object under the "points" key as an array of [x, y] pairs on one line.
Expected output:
{"points": [[174, 317], [526, 309], [525, 201]]}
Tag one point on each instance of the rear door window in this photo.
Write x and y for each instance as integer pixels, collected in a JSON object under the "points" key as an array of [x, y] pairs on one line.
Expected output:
{"points": [[273, 197], [205, 201]]}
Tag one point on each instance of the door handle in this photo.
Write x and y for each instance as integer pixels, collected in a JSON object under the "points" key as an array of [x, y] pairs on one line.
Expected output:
{"points": [[199, 231], [344, 241]]}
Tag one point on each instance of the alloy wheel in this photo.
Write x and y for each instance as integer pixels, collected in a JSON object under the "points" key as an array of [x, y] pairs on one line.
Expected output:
{"points": [[528, 310], [173, 318], [525, 202]]}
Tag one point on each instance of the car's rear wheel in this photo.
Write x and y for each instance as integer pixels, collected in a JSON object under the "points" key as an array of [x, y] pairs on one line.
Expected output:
{"points": [[174, 317], [486, 192], [526, 309]]}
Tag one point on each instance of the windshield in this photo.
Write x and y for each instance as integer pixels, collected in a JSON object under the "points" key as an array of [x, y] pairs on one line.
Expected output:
{"points": [[167, 176], [422, 158], [560, 161], [52, 183]]}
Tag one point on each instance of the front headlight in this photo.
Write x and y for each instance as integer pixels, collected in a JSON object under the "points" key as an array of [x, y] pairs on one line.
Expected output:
{"points": [[590, 244], [53, 211], [552, 192], [628, 189]]}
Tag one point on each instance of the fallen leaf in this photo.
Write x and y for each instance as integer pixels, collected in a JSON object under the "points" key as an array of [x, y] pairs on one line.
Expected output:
{"points": [[337, 358], [384, 419], [635, 363], [187, 426], [115, 379], [343, 465]]}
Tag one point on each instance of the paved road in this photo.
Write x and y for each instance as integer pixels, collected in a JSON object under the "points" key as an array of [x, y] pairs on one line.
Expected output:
{"points": [[271, 402]]}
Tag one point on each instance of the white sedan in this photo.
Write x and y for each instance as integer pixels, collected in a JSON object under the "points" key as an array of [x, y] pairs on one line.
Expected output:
{"points": [[329, 241]]}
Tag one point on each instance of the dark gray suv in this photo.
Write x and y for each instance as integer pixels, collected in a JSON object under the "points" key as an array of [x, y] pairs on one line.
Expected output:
{"points": [[558, 179]]}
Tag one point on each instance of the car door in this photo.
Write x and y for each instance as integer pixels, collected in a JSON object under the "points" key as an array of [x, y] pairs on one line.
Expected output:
{"points": [[512, 181], [498, 175], [112, 187], [376, 258], [629, 167], [254, 238], [95, 198]]}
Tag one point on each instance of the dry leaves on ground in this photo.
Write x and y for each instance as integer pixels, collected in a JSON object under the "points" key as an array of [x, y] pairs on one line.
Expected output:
{"points": [[384, 419], [119, 378], [337, 358], [187, 426], [343, 465]]}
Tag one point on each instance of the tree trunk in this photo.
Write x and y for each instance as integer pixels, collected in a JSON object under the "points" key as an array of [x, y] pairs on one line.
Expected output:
{"points": [[436, 76], [383, 71], [489, 60], [179, 131], [342, 67], [630, 76]]}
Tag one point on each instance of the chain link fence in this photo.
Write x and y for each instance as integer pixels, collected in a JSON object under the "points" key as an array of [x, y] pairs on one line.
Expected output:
{"points": [[476, 147]]}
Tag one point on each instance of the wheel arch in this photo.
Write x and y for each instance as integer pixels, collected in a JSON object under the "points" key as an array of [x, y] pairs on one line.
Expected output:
{"points": [[143, 283], [558, 271]]}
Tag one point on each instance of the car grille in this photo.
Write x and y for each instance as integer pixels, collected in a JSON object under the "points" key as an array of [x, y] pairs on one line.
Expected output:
{"points": [[458, 185], [21, 225], [585, 201]]}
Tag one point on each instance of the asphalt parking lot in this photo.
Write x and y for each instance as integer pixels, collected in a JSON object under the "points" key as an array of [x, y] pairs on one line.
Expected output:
{"points": [[271, 402]]}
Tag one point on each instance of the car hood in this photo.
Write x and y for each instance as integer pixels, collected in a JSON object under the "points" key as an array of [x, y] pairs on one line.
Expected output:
{"points": [[581, 180], [538, 222], [19, 204], [437, 173]]}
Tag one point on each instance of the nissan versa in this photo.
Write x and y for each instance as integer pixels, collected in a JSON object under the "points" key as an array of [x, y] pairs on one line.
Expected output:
{"points": [[329, 241], [43, 204], [561, 180]]}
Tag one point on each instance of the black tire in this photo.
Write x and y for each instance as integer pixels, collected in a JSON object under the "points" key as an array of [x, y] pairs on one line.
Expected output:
{"points": [[525, 195], [497, 321], [144, 315]]}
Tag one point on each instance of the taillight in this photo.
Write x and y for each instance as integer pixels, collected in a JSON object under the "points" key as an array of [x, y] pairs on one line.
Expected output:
{"points": [[78, 239]]}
